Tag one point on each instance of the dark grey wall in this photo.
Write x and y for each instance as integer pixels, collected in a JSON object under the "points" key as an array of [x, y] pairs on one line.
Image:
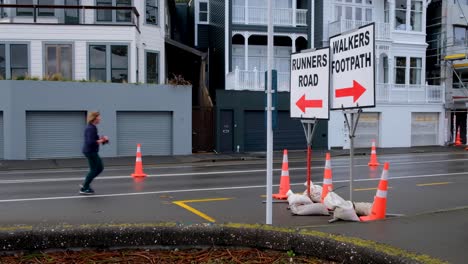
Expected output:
{"points": [[216, 44], [17, 97], [203, 36], [241, 101], [318, 27]]}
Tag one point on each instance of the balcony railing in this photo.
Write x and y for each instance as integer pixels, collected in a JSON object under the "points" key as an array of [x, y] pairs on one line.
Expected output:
{"points": [[258, 16], [383, 31], [69, 15], [408, 94], [254, 80]]}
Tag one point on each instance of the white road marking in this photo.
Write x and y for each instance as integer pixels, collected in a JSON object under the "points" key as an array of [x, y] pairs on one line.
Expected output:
{"points": [[222, 162], [212, 189], [118, 177]]}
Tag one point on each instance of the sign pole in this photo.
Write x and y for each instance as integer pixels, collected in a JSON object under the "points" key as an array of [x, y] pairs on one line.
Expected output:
{"points": [[269, 176], [354, 118], [309, 130]]}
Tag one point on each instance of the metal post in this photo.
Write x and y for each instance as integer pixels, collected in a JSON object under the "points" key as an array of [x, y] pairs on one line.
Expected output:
{"points": [[309, 132], [351, 123], [269, 209]]}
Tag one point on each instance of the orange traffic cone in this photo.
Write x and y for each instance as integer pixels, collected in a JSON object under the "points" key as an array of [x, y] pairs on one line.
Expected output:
{"points": [[284, 181], [327, 185], [379, 206], [458, 140], [139, 164], [373, 158]]}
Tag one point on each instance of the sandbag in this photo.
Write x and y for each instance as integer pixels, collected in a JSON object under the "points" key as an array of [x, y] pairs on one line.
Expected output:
{"points": [[345, 211], [363, 209], [309, 209], [332, 200], [315, 192], [297, 199]]}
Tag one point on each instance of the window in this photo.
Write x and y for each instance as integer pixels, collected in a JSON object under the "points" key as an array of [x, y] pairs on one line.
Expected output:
{"points": [[415, 70], [108, 63], [459, 35], [119, 64], [203, 13], [24, 11], [386, 12], [385, 69], [14, 61], [114, 15], [358, 10], [18, 60], [2, 14], [400, 70], [46, 11], [416, 15], [104, 15], [59, 60], [152, 12], [124, 15], [2, 62], [400, 14], [72, 16], [152, 69]]}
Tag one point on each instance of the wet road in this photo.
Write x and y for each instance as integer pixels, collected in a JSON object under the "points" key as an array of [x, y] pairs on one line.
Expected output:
{"points": [[234, 192]]}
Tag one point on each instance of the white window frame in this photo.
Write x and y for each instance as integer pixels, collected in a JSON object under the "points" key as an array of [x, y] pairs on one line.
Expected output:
{"points": [[354, 4], [409, 12], [197, 12], [408, 69]]}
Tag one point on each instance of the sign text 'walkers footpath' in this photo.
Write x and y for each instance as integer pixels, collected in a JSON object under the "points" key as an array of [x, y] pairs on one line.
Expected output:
{"points": [[352, 69], [310, 77]]}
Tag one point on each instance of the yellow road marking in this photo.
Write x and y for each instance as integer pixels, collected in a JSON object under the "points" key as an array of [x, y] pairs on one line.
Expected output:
{"points": [[184, 205], [368, 189], [433, 183]]}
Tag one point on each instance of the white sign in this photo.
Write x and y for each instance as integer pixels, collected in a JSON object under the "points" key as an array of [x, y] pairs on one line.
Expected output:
{"points": [[352, 69], [310, 79]]}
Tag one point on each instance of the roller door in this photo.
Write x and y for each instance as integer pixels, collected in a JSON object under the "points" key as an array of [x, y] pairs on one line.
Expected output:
{"points": [[424, 129], [367, 130], [289, 134], [54, 134], [153, 130], [2, 150]]}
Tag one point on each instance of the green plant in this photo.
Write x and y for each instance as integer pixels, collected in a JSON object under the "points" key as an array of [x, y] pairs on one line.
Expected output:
{"points": [[178, 80], [291, 253]]}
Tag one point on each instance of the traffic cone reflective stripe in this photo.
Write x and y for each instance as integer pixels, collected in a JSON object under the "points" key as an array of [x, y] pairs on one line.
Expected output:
{"points": [[327, 178], [379, 206], [284, 181], [138, 164], [373, 159]]}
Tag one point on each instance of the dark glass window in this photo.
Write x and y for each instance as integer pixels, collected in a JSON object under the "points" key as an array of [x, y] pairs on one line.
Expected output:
{"points": [[59, 60], [400, 70], [46, 11], [124, 15], [104, 15], [24, 11], [2, 62], [97, 63], [152, 70], [119, 62], [18, 60], [152, 12]]}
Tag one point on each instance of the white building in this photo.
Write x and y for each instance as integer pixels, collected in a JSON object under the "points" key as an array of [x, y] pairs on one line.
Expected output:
{"points": [[408, 112], [100, 40]]}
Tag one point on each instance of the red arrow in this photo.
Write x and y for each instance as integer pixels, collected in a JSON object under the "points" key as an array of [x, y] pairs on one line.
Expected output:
{"points": [[356, 91], [302, 103]]}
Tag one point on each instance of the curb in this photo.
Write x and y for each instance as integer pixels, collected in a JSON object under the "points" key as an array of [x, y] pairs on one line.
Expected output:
{"points": [[312, 243]]}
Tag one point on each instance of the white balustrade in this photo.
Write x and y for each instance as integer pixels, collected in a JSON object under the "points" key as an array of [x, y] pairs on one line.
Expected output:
{"points": [[258, 16]]}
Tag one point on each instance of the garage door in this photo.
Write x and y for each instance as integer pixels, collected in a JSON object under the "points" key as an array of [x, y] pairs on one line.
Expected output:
{"points": [[153, 130], [424, 129], [289, 134], [367, 130], [54, 134], [2, 150]]}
